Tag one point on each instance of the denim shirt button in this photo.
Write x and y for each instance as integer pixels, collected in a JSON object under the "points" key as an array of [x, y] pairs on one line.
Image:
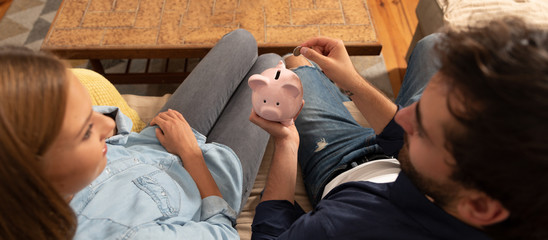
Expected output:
{"points": [[107, 170], [136, 160], [163, 193]]}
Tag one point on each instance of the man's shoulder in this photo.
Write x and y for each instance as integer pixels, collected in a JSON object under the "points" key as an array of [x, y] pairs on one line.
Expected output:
{"points": [[359, 211], [353, 200], [395, 210]]}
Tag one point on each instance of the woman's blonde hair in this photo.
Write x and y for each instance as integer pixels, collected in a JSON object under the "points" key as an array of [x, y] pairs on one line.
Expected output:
{"points": [[33, 91]]}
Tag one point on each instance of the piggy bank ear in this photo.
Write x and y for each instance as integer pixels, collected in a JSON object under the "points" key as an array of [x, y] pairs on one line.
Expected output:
{"points": [[292, 90], [256, 81], [281, 64]]}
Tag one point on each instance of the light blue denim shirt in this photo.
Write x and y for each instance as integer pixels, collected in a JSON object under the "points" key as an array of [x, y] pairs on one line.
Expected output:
{"points": [[145, 192]]}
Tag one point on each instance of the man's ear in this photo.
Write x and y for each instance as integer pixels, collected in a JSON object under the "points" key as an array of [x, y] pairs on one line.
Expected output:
{"points": [[478, 209]]}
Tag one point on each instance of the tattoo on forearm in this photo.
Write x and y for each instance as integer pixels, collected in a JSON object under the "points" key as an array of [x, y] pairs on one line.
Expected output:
{"points": [[347, 92]]}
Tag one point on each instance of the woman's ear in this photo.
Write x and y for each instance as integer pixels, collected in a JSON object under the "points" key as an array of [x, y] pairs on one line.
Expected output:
{"points": [[479, 210]]}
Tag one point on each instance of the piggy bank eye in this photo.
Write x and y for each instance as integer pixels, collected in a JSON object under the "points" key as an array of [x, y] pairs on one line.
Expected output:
{"points": [[277, 103], [264, 101]]}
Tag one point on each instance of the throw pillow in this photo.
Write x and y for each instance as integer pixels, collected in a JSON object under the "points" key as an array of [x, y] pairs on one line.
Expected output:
{"points": [[103, 93]]}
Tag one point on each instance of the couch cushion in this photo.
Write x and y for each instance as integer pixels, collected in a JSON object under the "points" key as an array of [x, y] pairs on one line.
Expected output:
{"points": [[460, 13], [430, 15], [103, 93], [146, 106]]}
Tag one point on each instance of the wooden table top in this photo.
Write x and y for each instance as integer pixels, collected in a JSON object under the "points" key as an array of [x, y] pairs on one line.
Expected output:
{"points": [[100, 29]]}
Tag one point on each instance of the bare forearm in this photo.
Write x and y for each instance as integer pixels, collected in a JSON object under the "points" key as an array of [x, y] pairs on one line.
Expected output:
{"points": [[197, 168], [377, 109], [282, 177], [335, 62]]}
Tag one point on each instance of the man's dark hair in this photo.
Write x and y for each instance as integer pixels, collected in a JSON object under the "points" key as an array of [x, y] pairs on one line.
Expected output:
{"points": [[498, 76]]}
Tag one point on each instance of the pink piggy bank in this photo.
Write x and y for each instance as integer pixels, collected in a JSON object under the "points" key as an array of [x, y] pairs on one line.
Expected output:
{"points": [[277, 94]]}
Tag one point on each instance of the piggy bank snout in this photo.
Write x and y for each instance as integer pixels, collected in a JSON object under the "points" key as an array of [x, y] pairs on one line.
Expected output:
{"points": [[270, 113], [277, 94]]}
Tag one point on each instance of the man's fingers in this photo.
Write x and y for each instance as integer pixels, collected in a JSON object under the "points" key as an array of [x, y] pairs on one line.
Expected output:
{"points": [[314, 55], [254, 118], [317, 41], [258, 120], [297, 115], [271, 127]]}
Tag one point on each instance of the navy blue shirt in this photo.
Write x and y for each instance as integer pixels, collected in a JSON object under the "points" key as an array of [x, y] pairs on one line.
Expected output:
{"points": [[364, 210]]}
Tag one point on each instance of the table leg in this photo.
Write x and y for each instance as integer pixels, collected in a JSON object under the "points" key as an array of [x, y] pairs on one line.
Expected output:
{"points": [[97, 66]]}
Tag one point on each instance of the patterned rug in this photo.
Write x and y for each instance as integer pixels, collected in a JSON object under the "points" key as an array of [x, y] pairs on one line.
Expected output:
{"points": [[27, 22]]}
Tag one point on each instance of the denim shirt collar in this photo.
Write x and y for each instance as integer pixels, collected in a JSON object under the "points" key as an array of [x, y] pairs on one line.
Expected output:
{"points": [[123, 124]]}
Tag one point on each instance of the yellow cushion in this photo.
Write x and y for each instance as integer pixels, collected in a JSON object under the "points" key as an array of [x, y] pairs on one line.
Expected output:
{"points": [[103, 93]]}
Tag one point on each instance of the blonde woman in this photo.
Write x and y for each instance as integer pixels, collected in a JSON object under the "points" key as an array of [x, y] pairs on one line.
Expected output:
{"points": [[63, 175]]}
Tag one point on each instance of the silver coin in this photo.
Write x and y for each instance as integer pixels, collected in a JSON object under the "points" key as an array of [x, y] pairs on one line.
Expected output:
{"points": [[297, 51]]}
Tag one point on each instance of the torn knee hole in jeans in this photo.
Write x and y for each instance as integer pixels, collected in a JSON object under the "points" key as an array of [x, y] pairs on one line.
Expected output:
{"points": [[320, 145]]}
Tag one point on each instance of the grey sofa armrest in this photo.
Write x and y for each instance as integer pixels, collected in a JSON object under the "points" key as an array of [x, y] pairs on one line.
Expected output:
{"points": [[430, 19]]}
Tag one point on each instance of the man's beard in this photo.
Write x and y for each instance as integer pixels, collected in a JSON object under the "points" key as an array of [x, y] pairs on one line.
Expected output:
{"points": [[442, 194]]}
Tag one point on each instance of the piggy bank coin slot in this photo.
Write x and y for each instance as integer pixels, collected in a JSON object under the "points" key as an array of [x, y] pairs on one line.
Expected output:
{"points": [[277, 75]]}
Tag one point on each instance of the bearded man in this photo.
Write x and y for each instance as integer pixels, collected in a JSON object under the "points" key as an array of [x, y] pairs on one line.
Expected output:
{"points": [[471, 122]]}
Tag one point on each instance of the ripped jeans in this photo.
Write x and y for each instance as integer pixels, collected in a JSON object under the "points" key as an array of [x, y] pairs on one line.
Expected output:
{"points": [[329, 135]]}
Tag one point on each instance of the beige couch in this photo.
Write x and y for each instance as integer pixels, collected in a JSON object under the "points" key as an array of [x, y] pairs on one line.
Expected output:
{"points": [[433, 14], [141, 109], [147, 107]]}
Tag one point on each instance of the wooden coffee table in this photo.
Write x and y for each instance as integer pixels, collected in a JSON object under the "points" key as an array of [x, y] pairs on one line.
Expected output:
{"points": [[132, 29]]}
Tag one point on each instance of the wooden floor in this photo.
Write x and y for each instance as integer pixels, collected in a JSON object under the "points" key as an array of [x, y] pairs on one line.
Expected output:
{"points": [[4, 5], [395, 22]]}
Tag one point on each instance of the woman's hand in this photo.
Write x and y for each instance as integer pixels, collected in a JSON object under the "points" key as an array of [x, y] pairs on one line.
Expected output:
{"points": [[331, 55], [175, 134], [177, 137]]}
